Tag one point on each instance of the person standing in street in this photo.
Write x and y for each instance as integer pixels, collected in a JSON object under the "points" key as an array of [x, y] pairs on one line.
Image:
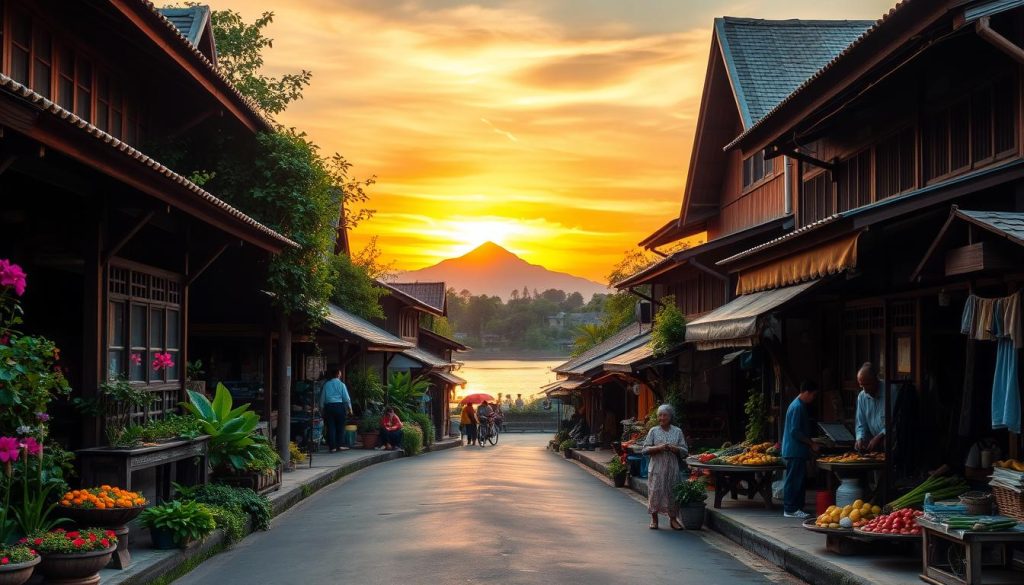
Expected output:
{"points": [[467, 420], [665, 445], [797, 447], [519, 402], [335, 404]]}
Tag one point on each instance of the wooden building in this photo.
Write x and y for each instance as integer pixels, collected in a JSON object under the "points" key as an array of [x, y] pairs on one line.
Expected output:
{"points": [[117, 245]]}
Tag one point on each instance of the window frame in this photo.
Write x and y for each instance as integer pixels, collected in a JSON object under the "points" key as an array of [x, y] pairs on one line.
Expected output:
{"points": [[169, 303], [748, 166]]}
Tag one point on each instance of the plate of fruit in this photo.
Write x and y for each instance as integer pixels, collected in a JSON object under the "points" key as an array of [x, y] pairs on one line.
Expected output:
{"points": [[848, 517], [899, 524]]}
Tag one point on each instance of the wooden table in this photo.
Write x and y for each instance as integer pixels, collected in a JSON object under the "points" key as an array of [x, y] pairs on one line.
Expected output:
{"points": [[729, 477], [113, 466], [942, 551], [844, 470]]}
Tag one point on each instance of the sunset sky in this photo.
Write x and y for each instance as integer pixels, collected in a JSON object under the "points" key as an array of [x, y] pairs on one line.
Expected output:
{"points": [[560, 129]]}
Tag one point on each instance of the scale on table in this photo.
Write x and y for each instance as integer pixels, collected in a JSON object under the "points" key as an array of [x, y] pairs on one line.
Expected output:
{"points": [[837, 432]]}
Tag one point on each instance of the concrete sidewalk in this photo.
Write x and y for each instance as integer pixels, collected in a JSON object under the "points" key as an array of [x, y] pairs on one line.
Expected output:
{"points": [[151, 566], [785, 543]]}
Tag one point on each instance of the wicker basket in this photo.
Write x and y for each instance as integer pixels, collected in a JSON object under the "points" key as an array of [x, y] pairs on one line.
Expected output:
{"points": [[977, 503], [1010, 502]]}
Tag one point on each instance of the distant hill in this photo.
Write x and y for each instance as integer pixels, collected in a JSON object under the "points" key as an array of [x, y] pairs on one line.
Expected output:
{"points": [[492, 270]]}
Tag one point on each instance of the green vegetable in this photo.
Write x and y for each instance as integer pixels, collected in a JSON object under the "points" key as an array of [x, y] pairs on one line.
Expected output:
{"points": [[941, 488]]}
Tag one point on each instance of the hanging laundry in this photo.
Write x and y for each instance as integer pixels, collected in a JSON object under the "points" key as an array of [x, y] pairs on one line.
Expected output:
{"points": [[1000, 320]]}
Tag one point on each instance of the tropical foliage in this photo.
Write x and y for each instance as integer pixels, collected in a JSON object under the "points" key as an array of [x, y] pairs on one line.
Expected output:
{"points": [[186, 521], [669, 331], [405, 392], [234, 444]]}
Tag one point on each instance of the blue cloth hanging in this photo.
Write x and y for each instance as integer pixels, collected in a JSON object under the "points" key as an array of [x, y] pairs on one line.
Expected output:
{"points": [[1005, 390]]}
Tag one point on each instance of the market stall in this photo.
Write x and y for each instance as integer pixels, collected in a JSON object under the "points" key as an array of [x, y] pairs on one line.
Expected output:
{"points": [[742, 470]]}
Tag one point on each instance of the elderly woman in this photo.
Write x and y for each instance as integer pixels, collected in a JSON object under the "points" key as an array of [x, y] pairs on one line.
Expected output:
{"points": [[665, 445]]}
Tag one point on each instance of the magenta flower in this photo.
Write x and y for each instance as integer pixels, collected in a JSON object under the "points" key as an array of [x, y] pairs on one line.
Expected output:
{"points": [[162, 361], [10, 449], [13, 276], [42, 416], [135, 358], [33, 447]]}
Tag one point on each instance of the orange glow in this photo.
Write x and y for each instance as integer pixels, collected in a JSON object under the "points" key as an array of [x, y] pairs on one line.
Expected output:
{"points": [[560, 129]]}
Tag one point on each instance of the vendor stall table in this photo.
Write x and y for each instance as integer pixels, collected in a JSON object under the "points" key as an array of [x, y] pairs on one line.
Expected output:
{"points": [[728, 478], [845, 470], [954, 557], [179, 460]]}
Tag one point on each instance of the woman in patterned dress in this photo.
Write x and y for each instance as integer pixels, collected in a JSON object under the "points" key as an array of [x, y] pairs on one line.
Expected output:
{"points": [[664, 445]]}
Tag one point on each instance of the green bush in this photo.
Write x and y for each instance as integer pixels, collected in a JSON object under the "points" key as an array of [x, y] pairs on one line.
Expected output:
{"points": [[230, 520], [186, 521], [233, 439], [242, 500], [690, 491], [412, 439], [616, 467], [566, 445], [669, 329], [424, 422]]}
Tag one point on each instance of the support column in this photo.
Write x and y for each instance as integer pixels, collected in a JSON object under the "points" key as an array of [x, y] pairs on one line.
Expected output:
{"points": [[284, 387], [93, 310]]}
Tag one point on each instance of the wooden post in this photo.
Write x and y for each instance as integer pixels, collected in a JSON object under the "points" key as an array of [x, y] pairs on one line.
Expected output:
{"points": [[268, 377], [93, 358], [284, 387]]}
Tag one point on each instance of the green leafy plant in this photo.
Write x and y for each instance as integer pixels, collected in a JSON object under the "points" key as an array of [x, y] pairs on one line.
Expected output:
{"points": [[264, 458], [232, 441], [242, 500], [616, 467], [412, 439], [369, 423], [423, 421], [194, 370], [65, 542], [669, 331], [757, 415], [366, 389], [231, 521], [566, 445], [406, 392], [690, 491], [172, 426], [17, 554], [295, 454], [186, 521]]}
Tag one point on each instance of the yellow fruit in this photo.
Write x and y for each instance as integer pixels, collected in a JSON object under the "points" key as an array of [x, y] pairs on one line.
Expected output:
{"points": [[876, 510], [834, 525], [830, 508], [866, 508], [858, 503], [855, 515]]}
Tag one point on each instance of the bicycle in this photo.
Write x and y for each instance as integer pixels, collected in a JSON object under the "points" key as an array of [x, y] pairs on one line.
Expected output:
{"points": [[488, 432]]}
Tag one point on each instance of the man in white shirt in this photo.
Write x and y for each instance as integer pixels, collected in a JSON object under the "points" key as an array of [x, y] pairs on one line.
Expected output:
{"points": [[870, 427]]}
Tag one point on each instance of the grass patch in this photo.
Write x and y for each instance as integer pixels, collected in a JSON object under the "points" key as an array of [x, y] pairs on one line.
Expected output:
{"points": [[187, 566]]}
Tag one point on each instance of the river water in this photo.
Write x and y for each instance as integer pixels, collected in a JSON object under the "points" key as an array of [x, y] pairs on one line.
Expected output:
{"points": [[507, 376]]}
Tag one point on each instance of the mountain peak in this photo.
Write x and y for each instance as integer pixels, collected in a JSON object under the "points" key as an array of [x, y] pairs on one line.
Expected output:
{"points": [[488, 249]]}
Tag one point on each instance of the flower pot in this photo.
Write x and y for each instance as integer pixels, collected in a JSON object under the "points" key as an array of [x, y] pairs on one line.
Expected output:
{"points": [[620, 479], [369, 439], [163, 539], [692, 515], [18, 573], [567, 453], [115, 519], [75, 569]]}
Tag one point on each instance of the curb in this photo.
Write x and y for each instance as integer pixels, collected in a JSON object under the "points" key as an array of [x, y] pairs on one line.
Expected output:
{"points": [[806, 566], [167, 569]]}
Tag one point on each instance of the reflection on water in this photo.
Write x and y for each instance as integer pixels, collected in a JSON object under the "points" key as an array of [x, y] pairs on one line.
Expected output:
{"points": [[507, 376]]}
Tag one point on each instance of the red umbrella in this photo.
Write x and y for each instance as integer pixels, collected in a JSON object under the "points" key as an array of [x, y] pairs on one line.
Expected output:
{"points": [[477, 398]]}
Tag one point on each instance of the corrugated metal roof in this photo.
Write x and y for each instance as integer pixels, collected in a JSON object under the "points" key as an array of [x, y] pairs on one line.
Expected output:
{"points": [[368, 332], [14, 88], [990, 8], [626, 360], [598, 361], [630, 331], [190, 21], [426, 358], [784, 238], [825, 67], [768, 59], [429, 293], [1006, 223], [735, 324], [450, 378]]}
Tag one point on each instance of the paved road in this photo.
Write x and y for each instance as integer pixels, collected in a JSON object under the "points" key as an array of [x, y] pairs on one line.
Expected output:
{"points": [[508, 514]]}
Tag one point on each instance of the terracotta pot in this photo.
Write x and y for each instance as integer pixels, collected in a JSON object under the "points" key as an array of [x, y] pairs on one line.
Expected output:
{"points": [[75, 569], [18, 573], [567, 453], [692, 515], [369, 439]]}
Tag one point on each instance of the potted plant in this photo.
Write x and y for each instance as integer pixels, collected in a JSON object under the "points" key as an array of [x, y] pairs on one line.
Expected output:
{"points": [[17, 564], [73, 557], [193, 377], [617, 471], [108, 507], [566, 446], [690, 495], [177, 523], [369, 430]]}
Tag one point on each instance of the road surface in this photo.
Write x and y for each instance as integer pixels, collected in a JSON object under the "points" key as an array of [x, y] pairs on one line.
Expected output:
{"points": [[513, 514]]}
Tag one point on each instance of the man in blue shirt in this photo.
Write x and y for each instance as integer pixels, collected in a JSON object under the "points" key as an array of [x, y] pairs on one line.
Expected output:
{"points": [[870, 410], [796, 449], [335, 404]]}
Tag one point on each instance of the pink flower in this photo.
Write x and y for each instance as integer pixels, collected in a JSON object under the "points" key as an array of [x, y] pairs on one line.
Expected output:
{"points": [[33, 447], [105, 542], [78, 542], [10, 449], [5, 561], [4, 340], [162, 361], [42, 416], [135, 358], [13, 276]]}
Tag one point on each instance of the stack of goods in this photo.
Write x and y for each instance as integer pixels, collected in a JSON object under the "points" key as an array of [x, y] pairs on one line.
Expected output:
{"points": [[901, 522], [1008, 487], [854, 515], [980, 523], [761, 454], [853, 457]]}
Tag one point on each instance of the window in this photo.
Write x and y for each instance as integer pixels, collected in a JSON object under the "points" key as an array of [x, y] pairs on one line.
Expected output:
{"points": [[143, 319], [755, 168], [817, 202], [42, 62], [409, 324], [66, 78], [894, 164], [83, 93], [21, 46], [853, 185]]}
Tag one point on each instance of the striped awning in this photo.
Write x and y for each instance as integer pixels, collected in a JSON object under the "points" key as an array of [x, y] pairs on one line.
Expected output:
{"points": [[738, 322], [829, 258]]}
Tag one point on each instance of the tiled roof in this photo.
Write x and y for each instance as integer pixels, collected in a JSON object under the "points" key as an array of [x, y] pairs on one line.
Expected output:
{"points": [[768, 59], [783, 238], [429, 293], [208, 65], [190, 21], [426, 358], [368, 332], [809, 79], [40, 102], [414, 301], [598, 361], [455, 345], [1007, 223], [625, 361], [626, 334]]}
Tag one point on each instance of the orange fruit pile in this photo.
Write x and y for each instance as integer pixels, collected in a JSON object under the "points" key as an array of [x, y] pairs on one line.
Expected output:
{"points": [[104, 497]]}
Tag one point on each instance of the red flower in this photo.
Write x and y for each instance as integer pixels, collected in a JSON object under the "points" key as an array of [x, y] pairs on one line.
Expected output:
{"points": [[5, 561], [105, 542], [78, 542], [33, 551], [59, 530], [22, 540], [110, 534], [92, 537], [37, 541], [73, 534]]}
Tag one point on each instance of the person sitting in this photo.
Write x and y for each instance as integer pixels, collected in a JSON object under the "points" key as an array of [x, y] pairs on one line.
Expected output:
{"points": [[390, 431]]}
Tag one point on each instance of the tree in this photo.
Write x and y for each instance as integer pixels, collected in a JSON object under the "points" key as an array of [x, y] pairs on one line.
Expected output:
{"points": [[669, 329], [619, 309], [240, 47], [555, 296], [572, 302], [355, 290]]}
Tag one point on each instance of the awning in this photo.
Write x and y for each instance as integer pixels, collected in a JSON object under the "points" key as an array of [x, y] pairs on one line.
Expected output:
{"points": [[823, 260], [626, 361], [426, 358], [560, 386], [736, 323], [450, 378]]}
